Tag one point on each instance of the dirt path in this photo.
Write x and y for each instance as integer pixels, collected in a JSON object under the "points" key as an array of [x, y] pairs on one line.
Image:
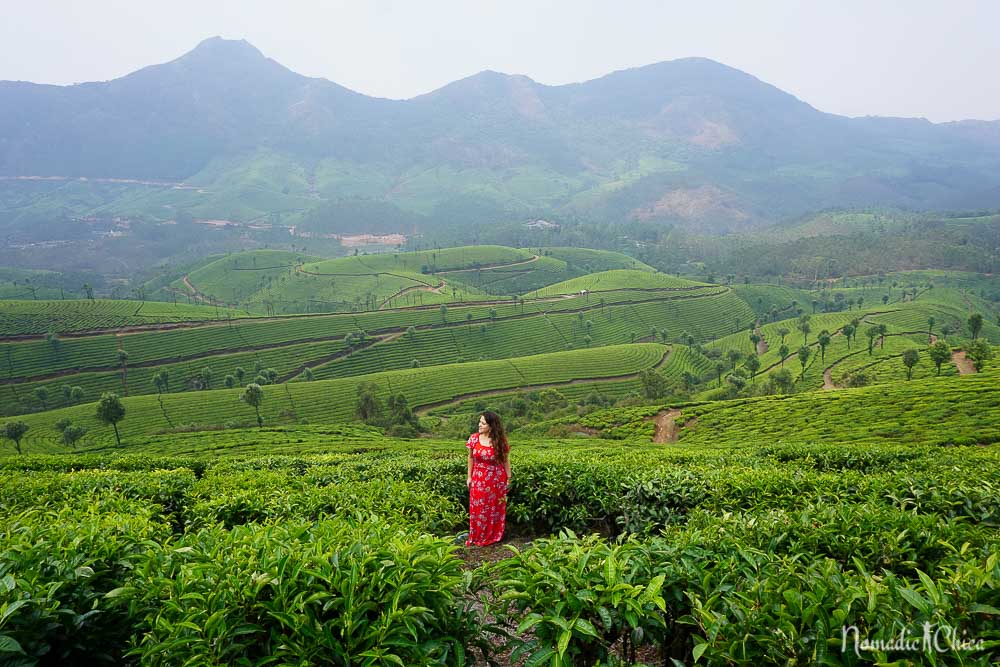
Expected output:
{"points": [[666, 426], [299, 269], [483, 267], [202, 297], [963, 364], [413, 288], [474, 557], [762, 346], [828, 379]]}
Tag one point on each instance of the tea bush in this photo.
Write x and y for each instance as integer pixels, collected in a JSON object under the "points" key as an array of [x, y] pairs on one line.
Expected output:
{"points": [[57, 568], [332, 592]]}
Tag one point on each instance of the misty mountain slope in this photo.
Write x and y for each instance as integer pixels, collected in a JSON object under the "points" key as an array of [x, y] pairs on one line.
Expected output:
{"points": [[689, 141]]}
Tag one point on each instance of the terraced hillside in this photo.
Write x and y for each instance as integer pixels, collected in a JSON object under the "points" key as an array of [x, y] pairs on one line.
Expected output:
{"points": [[278, 282], [619, 279], [333, 400], [233, 279], [37, 318], [343, 345], [873, 507]]}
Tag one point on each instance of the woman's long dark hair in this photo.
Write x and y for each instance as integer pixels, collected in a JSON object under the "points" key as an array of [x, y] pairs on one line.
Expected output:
{"points": [[497, 436]]}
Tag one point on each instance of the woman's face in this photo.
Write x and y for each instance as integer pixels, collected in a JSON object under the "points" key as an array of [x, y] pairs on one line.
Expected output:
{"points": [[483, 426]]}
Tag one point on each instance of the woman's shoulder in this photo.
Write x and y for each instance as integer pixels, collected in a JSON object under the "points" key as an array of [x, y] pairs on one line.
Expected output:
{"points": [[473, 439]]}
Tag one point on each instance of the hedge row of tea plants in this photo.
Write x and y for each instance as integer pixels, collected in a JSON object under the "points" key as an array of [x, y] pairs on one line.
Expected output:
{"points": [[346, 558]]}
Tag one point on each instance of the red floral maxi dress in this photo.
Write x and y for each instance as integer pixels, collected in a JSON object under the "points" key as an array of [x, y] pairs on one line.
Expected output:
{"points": [[487, 495]]}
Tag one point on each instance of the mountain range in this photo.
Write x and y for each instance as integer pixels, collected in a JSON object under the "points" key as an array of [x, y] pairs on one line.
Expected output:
{"points": [[224, 132]]}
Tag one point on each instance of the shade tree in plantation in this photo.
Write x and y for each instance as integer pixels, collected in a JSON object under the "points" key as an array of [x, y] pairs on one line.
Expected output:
{"points": [[783, 353], [910, 359], [805, 328], [399, 412], [734, 357], [368, 407], [72, 434], [653, 384], [848, 330], [824, 340], [930, 329], [737, 380], [253, 395], [782, 331], [883, 331], [720, 368], [689, 380], [939, 352], [42, 394], [110, 411], [783, 380], [804, 353], [872, 333], [975, 324], [753, 365], [159, 382], [14, 431], [978, 352]]}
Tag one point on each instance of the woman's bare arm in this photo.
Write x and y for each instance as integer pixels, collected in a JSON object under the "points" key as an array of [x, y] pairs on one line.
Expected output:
{"points": [[468, 475]]}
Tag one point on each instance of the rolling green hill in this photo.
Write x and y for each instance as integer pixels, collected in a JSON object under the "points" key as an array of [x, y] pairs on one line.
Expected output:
{"points": [[36, 318], [234, 278], [608, 281], [291, 345], [268, 281], [333, 400]]}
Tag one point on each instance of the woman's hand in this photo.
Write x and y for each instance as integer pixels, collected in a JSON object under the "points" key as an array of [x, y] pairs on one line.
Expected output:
{"points": [[468, 482]]}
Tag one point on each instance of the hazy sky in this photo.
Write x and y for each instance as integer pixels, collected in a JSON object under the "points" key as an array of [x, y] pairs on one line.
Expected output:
{"points": [[929, 58]]}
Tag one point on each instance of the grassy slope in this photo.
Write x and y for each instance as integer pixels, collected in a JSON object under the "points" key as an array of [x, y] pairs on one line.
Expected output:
{"points": [[333, 400], [616, 279], [235, 277], [934, 410], [40, 317]]}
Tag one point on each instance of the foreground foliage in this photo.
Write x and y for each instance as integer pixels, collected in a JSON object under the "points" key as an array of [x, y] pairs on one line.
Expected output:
{"points": [[748, 552]]}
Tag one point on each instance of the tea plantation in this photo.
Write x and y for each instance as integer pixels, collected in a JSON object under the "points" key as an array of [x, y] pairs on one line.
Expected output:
{"points": [[787, 519], [769, 527]]}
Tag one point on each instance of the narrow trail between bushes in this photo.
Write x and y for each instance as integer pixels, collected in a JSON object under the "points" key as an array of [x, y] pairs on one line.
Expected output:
{"points": [[199, 296], [412, 288], [483, 267], [473, 557], [958, 358], [666, 426], [962, 363], [762, 346]]}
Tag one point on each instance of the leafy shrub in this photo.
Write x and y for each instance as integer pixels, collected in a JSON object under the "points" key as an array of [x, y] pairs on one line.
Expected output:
{"points": [[56, 569], [579, 599], [334, 592]]}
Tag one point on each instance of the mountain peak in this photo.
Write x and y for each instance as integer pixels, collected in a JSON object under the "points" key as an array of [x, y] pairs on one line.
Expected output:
{"points": [[219, 48]]}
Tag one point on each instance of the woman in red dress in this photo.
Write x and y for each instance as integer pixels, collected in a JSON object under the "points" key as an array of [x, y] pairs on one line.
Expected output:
{"points": [[488, 477]]}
